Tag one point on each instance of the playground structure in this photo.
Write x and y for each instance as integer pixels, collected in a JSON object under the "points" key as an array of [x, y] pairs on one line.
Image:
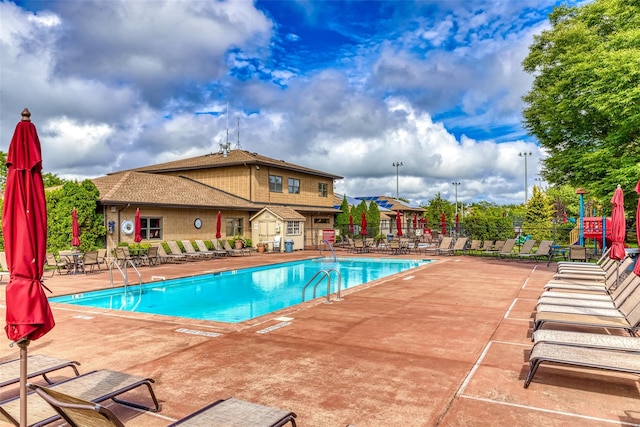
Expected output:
{"points": [[596, 228]]}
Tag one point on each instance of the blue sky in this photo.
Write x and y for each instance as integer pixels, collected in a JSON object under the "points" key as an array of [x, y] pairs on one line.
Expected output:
{"points": [[344, 87]]}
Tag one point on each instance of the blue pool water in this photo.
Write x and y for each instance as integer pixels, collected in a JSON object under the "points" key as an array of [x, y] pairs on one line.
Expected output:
{"points": [[239, 295]]}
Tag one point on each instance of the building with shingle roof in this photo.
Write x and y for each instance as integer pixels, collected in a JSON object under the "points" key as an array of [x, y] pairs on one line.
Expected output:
{"points": [[180, 199]]}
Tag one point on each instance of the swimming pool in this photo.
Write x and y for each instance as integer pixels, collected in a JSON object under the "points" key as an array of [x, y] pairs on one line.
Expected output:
{"points": [[238, 295]]}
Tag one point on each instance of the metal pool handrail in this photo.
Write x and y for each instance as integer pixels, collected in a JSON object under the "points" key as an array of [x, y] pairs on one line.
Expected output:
{"points": [[327, 274], [330, 247]]}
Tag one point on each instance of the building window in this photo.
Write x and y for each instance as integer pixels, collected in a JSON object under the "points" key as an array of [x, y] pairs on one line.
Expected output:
{"points": [[323, 189], [321, 220], [151, 228], [275, 184], [234, 226], [294, 186], [293, 228]]}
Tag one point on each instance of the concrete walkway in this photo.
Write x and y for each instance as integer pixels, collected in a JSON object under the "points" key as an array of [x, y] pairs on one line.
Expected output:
{"points": [[445, 344]]}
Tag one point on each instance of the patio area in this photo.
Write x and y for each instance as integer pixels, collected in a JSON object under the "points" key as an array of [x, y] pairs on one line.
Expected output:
{"points": [[445, 344]]}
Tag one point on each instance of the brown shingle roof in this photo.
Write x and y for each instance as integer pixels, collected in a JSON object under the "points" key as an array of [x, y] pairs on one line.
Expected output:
{"points": [[165, 190], [234, 158], [283, 212]]}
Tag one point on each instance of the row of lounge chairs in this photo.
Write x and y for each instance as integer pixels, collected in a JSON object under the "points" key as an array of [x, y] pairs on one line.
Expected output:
{"points": [[594, 310], [78, 399]]}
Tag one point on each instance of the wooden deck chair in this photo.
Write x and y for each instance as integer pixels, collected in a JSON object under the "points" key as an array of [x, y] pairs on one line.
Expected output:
{"points": [[444, 245], [95, 387], [38, 365], [80, 413], [202, 247], [584, 357], [175, 250], [457, 247]]}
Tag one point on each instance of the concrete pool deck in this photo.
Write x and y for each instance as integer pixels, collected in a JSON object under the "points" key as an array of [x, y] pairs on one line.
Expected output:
{"points": [[445, 344]]}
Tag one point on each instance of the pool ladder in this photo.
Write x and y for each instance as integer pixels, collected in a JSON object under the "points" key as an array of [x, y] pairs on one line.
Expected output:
{"points": [[320, 276], [125, 276]]}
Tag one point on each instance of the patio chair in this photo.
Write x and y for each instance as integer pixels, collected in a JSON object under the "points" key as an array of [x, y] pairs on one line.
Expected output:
{"points": [[175, 250], [218, 248], [55, 264], [231, 251], [474, 247], [585, 339], [165, 257], [497, 247], [486, 247], [457, 247], [590, 299], [507, 248], [525, 249], [582, 283], [542, 252], [95, 387], [202, 247], [102, 257], [123, 255], [617, 310], [629, 322], [89, 259], [584, 357], [38, 365], [604, 258], [189, 249], [444, 245], [79, 413], [152, 257]]}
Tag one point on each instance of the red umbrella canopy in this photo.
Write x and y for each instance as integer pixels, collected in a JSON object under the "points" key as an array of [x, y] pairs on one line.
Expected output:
{"points": [[618, 226], [351, 224], [218, 225], [363, 224], [636, 268], [24, 226], [443, 223], [138, 227], [399, 223], [457, 223], [75, 229], [415, 221]]}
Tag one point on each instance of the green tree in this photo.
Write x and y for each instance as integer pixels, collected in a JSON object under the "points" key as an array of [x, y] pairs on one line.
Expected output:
{"points": [[60, 202], [434, 210], [373, 219], [342, 219], [3, 169], [537, 222], [583, 105]]}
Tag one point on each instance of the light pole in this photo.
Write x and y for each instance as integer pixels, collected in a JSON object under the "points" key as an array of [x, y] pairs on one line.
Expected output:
{"points": [[525, 155], [397, 165], [456, 184]]}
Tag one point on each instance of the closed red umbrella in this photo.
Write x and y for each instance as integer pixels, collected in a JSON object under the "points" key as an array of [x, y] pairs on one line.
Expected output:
{"points": [[138, 227], [350, 224], [636, 268], [415, 221], [457, 223], [443, 224], [618, 226], [75, 229], [24, 226], [218, 225], [399, 223], [363, 224]]}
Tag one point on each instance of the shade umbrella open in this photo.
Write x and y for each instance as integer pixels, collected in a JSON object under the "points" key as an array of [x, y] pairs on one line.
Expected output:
{"points": [[218, 225], [350, 224], [24, 226], [137, 227], [75, 229], [363, 224], [399, 223], [443, 224]]}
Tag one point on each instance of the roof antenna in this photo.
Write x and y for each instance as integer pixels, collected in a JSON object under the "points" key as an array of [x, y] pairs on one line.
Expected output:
{"points": [[224, 148], [238, 147]]}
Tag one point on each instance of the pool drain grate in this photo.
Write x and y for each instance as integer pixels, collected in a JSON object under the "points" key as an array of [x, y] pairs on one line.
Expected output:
{"points": [[196, 332]]}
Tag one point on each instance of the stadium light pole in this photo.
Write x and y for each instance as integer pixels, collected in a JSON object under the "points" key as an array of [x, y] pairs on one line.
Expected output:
{"points": [[525, 155], [397, 166]]}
